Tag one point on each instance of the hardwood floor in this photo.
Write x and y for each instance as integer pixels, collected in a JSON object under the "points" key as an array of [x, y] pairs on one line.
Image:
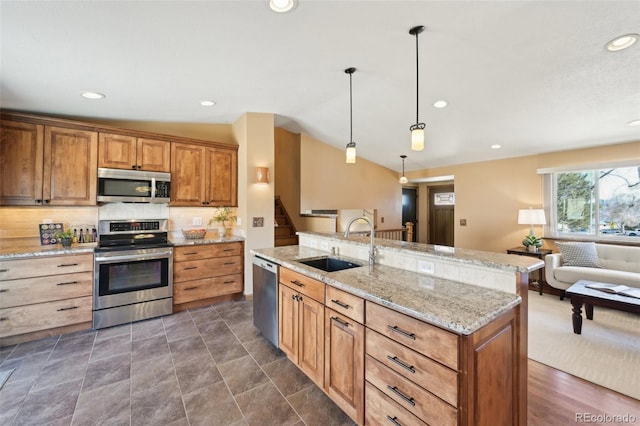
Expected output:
{"points": [[558, 398]]}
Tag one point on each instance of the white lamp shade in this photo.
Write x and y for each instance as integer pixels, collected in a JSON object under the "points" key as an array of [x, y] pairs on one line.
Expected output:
{"points": [[404, 179], [531, 217], [417, 139], [351, 154]]}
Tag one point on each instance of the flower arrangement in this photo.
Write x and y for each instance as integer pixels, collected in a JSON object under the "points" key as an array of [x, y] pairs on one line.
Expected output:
{"points": [[222, 215]]}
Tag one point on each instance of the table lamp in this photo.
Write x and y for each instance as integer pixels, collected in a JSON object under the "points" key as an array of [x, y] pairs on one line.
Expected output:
{"points": [[531, 217]]}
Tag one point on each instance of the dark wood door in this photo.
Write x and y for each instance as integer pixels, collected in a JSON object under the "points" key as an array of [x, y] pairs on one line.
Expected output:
{"points": [[409, 209], [441, 214]]}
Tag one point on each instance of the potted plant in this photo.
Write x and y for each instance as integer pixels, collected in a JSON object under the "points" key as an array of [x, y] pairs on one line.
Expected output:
{"points": [[221, 217], [65, 237], [532, 243]]}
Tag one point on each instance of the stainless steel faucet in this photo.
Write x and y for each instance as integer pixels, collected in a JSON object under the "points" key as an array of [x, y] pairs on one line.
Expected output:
{"points": [[372, 247]]}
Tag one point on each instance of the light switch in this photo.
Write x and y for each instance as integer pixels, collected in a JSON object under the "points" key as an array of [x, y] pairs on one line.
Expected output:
{"points": [[197, 221]]}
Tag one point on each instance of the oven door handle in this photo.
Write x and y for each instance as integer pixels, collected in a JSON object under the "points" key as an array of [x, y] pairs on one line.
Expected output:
{"points": [[153, 189], [128, 257]]}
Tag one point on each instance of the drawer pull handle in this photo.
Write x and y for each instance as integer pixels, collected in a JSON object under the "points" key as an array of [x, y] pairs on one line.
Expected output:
{"points": [[4, 319], [401, 363], [298, 283], [64, 265], [68, 282], [408, 399], [229, 250], [67, 309], [4, 290], [191, 253], [339, 321], [190, 267], [3, 270], [341, 304], [190, 288], [394, 420], [229, 282], [401, 331], [229, 263]]}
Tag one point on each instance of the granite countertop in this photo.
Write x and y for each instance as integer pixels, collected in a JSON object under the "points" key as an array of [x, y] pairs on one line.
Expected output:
{"points": [[209, 238], [460, 308]]}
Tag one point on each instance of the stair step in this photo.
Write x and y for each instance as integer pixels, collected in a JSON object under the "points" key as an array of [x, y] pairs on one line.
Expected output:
{"points": [[283, 231], [291, 240]]}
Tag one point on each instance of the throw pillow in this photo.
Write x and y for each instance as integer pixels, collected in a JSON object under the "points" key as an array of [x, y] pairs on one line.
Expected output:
{"points": [[579, 254]]}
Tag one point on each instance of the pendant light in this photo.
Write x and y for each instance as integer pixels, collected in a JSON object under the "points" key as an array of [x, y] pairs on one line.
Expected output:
{"points": [[351, 146], [417, 130], [403, 178]]}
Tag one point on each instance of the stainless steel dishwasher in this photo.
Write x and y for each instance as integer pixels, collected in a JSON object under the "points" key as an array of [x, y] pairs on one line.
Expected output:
{"points": [[265, 298]]}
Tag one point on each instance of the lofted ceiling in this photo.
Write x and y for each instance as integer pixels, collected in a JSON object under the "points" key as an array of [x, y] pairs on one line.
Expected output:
{"points": [[531, 76]]}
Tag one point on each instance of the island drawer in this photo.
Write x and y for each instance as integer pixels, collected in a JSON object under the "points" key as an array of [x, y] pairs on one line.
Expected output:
{"points": [[434, 342], [41, 316], [345, 303], [45, 289], [303, 284], [434, 377], [190, 291], [206, 251], [407, 394], [206, 268], [45, 266], [380, 410]]}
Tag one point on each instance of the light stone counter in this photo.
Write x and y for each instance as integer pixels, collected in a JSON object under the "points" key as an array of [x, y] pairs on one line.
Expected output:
{"points": [[458, 307], [22, 248], [209, 238]]}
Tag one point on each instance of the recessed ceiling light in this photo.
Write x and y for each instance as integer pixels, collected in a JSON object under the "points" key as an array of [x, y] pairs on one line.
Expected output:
{"points": [[440, 104], [496, 146], [93, 95], [634, 123], [622, 42], [282, 6], [207, 103]]}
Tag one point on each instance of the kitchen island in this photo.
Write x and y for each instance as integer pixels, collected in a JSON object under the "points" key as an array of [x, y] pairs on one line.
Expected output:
{"points": [[410, 348]]}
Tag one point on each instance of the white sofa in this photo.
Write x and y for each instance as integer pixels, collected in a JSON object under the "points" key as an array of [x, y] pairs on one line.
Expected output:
{"points": [[619, 265]]}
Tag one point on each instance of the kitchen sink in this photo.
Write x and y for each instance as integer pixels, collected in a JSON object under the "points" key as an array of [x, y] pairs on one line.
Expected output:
{"points": [[329, 264]]}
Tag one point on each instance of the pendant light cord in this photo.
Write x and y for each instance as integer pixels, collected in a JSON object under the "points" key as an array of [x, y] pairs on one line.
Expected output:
{"points": [[350, 107], [417, 81]]}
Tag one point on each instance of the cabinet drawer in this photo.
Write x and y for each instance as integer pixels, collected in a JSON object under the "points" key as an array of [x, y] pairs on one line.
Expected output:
{"points": [[45, 266], [303, 284], [205, 251], [189, 291], [380, 410], [345, 303], [434, 342], [434, 377], [45, 289], [407, 394], [41, 316], [206, 268]]}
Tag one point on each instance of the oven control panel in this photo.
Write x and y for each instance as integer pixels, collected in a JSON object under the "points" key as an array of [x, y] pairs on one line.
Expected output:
{"points": [[132, 226]]}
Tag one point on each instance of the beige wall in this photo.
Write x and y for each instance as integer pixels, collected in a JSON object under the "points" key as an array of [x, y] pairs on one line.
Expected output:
{"points": [[327, 182], [490, 193]]}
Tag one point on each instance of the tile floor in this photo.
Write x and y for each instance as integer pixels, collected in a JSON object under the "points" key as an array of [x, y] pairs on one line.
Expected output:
{"points": [[207, 366]]}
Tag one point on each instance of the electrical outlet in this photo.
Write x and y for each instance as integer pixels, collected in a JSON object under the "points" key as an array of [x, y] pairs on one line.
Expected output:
{"points": [[238, 221], [258, 222], [382, 219], [425, 267], [197, 221], [463, 222]]}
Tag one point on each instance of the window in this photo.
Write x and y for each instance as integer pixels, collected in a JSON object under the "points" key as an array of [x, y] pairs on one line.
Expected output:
{"points": [[596, 204]]}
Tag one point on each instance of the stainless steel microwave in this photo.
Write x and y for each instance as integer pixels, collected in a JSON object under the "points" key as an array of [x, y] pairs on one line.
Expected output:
{"points": [[133, 186]]}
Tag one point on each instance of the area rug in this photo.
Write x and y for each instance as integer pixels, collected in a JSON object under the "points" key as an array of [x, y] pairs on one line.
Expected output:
{"points": [[606, 353]]}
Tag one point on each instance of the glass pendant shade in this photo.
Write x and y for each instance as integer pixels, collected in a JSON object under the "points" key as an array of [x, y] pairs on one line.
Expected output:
{"points": [[417, 139], [404, 179], [351, 153]]}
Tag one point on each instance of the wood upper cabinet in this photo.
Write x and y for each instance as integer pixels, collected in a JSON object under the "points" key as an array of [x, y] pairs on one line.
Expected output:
{"points": [[131, 153], [46, 165], [21, 159], [203, 176]]}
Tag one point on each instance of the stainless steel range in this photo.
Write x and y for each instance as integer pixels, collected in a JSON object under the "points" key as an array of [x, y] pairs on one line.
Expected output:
{"points": [[133, 272]]}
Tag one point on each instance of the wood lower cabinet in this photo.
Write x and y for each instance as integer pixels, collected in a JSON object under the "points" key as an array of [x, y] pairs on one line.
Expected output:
{"points": [[132, 153], [47, 165], [203, 176], [41, 295], [301, 322], [206, 271]]}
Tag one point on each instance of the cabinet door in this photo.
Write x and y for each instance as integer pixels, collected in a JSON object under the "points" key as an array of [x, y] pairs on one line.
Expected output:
{"points": [[344, 363], [288, 322], [187, 175], [153, 155], [311, 347], [116, 151], [70, 167], [21, 150], [222, 177]]}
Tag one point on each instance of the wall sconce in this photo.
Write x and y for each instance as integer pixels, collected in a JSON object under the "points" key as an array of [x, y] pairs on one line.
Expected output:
{"points": [[262, 175]]}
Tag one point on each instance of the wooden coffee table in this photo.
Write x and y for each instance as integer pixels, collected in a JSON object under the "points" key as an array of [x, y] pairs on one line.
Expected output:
{"points": [[581, 295]]}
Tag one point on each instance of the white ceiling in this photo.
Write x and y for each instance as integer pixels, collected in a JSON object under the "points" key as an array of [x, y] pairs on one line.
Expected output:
{"points": [[532, 76]]}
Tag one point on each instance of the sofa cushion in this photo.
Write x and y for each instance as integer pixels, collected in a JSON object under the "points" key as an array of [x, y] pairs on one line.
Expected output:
{"points": [[579, 254], [623, 258], [571, 274]]}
